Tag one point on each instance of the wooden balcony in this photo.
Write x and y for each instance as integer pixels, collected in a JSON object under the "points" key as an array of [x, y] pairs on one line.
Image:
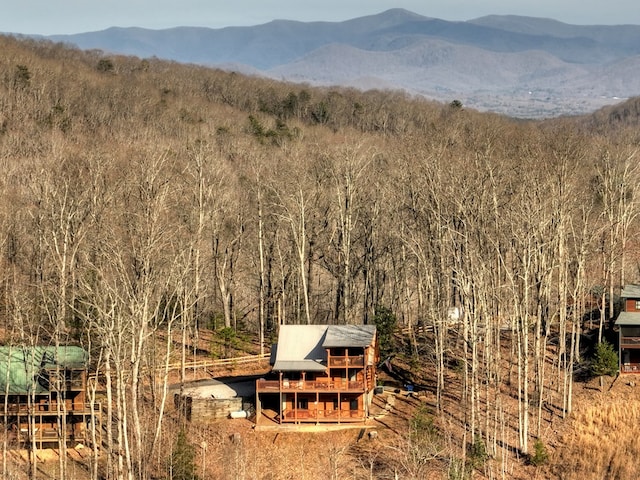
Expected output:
{"points": [[29, 423], [44, 409], [327, 385], [630, 342], [317, 416], [46, 433], [355, 361]]}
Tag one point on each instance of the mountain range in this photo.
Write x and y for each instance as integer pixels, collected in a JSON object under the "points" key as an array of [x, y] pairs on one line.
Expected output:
{"points": [[520, 66]]}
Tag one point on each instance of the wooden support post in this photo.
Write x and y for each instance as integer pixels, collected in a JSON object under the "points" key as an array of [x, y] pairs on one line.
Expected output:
{"points": [[280, 403], [258, 406]]}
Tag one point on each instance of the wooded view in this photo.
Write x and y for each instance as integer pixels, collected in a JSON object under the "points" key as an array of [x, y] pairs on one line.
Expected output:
{"points": [[154, 211]]}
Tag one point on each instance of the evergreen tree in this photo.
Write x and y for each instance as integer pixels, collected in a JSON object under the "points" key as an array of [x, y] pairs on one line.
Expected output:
{"points": [[386, 323], [182, 465], [605, 361]]}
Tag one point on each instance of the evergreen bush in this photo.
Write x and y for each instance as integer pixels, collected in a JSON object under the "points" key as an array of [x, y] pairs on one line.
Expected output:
{"points": [[605, 360], [182, 466], [540, 455]]}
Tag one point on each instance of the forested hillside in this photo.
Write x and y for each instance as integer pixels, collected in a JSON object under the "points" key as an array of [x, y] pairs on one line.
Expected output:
{"points": [[520, 66], [146, 200]]}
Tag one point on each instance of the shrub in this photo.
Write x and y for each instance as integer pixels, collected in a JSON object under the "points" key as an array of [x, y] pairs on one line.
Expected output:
{"points": [[421, 422], [182, 465], [478, 453], [22, 76], [229, 338], [425, 443], [540, 455], [605, 360], [458, 470], [105, 65]]}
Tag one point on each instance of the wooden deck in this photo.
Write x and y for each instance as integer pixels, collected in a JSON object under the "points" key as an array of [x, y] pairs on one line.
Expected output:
{"points": [[309, 386], [40, 422]]}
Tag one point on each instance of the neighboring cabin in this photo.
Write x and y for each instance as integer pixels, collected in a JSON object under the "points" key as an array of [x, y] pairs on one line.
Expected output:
{"points": [[321, 373], [43, 394], [629, 330]]}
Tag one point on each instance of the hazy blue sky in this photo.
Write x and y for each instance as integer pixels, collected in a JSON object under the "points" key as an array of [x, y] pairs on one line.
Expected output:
{"points": [[74, 16]]}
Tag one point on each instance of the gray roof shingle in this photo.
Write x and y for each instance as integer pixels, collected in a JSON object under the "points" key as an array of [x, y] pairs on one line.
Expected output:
{"points": [[349, 336], [300, 348], [630, 291], [628, 318]]}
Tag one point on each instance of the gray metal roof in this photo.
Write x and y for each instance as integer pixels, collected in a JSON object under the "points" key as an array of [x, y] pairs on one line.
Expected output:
{"points": [[349, 336], [630, 291], [303, 347], [300, 348], [628, 318], [300, 366]]}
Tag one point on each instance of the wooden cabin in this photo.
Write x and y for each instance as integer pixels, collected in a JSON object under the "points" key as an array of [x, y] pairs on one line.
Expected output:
{"points": [[628, 323], [321, 373], [43, 394]]}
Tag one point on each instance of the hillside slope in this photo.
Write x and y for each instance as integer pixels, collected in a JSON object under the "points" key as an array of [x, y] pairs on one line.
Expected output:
{"points": [[159, 213]]}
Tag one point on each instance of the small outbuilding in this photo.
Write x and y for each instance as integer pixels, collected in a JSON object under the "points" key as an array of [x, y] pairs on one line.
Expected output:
{"points": [[213, 399]]}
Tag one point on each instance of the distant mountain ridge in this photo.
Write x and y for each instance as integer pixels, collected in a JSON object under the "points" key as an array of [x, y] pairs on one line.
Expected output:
{"points": [[521, 66]]}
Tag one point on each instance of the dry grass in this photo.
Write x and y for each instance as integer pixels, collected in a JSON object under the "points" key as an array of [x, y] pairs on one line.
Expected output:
{"points": [[602, 437]]}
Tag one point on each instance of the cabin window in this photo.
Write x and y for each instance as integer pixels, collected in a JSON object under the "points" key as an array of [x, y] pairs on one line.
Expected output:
{"points": [[303, 404], [637, 304], [353, 404]]}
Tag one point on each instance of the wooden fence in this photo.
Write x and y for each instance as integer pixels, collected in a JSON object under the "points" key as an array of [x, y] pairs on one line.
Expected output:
{"points": [[220, 362]]}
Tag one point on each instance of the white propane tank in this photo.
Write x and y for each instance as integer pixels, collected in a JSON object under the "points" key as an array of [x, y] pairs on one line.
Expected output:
{"points": [[239, 414]]}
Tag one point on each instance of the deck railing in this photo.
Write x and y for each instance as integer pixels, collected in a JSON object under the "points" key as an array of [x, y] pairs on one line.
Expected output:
{"points": [[332, 416], [354, 361], [309, 385], [44, 409], [630, 341], [46, 433], [630, 368]]}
